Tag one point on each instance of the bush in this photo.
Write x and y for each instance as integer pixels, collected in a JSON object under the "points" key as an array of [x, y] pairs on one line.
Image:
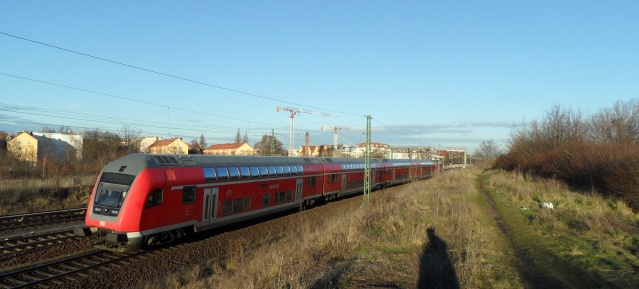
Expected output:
{"points": [[597, 160]]}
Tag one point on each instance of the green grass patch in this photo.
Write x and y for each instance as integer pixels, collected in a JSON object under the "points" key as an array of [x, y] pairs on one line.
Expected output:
{"points": [[582, 243]]}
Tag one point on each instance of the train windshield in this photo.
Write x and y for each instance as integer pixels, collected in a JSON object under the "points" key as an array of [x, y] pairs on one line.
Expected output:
{"points": [[111, 192], [110, 195]]}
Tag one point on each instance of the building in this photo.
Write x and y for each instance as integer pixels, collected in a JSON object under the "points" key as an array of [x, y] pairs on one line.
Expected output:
{"points": [[35, 146], [315, 151], [146, 142], [228, 149], [169, 146], [24, 146]]}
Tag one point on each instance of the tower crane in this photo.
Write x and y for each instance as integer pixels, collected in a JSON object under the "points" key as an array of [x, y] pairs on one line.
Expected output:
{"points": [[293, 112], [337, 129]]}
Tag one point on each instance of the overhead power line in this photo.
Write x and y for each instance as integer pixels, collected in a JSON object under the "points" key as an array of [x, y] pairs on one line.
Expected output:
{"points": [[174, 77], [171, 75]]}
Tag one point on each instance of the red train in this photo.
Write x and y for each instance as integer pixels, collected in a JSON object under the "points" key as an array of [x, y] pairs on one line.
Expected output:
{"points": [[145, 199]]}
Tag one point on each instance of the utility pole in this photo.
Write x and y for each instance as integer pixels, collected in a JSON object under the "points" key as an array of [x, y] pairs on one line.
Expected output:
{"points": [[293, 112], [367, 162]]}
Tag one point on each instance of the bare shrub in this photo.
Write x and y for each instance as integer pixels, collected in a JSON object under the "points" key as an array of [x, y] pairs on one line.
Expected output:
{"points": [[601, 156]]}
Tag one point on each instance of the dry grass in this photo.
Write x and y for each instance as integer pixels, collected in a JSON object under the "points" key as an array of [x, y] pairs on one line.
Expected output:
{"points": [[591, 237], [35, 195], [382, 244]]}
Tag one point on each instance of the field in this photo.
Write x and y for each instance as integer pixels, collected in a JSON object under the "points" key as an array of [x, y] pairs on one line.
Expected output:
{"points": [[462, 229], [443, 233]]}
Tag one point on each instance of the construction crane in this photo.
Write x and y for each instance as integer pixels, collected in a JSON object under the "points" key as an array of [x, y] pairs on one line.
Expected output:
{"points": [[337, 129], [293, 112]]}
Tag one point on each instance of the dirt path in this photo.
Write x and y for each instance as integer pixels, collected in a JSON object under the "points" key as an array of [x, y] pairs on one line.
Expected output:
{"points": [[530, 275]]}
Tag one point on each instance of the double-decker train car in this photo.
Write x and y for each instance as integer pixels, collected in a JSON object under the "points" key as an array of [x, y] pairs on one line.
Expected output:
{"points": [[146, 199]]}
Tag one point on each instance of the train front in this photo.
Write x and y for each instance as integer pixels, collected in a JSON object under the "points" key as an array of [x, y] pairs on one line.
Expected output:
{"points": [[115, 208]]}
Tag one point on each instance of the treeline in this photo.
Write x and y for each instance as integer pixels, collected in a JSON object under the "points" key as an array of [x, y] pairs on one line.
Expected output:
{"points": [[598, 153], [99, 148]]}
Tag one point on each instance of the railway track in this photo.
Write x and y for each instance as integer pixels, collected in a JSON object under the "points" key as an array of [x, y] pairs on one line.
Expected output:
{"points": [[21, 244], [17, 222], [52, 274]]}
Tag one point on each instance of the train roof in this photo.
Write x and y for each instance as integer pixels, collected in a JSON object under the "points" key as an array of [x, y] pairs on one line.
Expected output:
{"points": [[135, 163]]}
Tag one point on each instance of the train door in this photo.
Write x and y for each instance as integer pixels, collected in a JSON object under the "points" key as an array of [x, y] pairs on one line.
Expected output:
{"points": [[298, 190], [209, 206], [343, 183]]}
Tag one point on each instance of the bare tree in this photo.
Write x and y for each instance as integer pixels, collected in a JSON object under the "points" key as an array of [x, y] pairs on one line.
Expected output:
{"points": [[100, 147], [47, 129], [130, 139], [488, 150], [238, 136], [619, 124]]}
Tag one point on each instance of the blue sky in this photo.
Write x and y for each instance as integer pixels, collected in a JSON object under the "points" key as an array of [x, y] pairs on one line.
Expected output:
{"points": [[430, 73]]}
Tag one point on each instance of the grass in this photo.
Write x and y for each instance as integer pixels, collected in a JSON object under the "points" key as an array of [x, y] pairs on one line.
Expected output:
{"points": [[438, 230], [584, 241], [35, 195]]}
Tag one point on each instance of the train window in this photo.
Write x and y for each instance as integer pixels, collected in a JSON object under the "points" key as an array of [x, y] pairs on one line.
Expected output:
{"points": [[271, 171], [188, 194], [263, 172], [289, 195], [237, 205], [246, 174], [227, 207], [255, 172], [294, 170], [287, 170], [311, 181], [209, 174], [222, 174], [280, 197], [155, 198], [300, 170], [280, 170], [247, 203], [234, 172], [266, 200]]}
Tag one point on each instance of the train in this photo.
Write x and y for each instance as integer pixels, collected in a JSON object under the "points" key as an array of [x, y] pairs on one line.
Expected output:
{"points": [[149, 199]]}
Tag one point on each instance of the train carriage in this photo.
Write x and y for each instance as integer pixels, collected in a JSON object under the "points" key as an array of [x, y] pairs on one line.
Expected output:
{"points": [[145, 199]]}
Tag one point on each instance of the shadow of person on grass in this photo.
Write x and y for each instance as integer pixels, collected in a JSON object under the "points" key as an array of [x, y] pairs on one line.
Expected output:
{"points": [[436, 270]]}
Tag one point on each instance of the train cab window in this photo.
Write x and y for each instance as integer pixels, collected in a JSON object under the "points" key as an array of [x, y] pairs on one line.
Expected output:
{"points": [[311, 181], [188, 194], [280, 170], [245, 173], [266, 200], [287, 170], [234, 172], [210, 175], [154, 199], [255, 172], [300, 170], [294, 170], [263, 172], [222, 174], [271, 171]]}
